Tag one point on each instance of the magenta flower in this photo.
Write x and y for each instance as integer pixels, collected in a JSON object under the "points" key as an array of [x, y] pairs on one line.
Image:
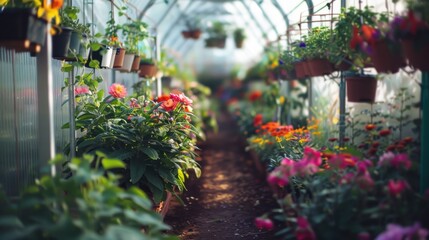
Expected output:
{"points": [[365, 182], [395, 188], [180, 97], [81, 90], [264, 223], [364, 236], [134, 103], [117, 90], [396, 161], [304, 230], [278, 177], [398, 232]]}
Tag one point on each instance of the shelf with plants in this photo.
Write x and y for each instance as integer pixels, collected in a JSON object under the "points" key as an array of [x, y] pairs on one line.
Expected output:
{"points": [[193, 28], [134, 32], [217, 35]]}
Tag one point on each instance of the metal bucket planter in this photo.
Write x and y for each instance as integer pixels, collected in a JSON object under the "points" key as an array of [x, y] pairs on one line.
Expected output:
{"points": [[22, 30]]}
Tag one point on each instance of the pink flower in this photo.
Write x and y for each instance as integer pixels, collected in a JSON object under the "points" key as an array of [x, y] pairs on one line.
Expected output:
{"points": [[396, 187], [134, 103], [401, 160], [385, 159], [264, 223], [277, 177], [364, 236], [180, 97], [313, 155], [365, 182], [347, 178], [81, 90], [287, 162], [398, 232], [117, 90], [304, 230]]}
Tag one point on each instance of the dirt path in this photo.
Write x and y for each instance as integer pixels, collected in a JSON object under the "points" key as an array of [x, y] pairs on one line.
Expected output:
{"points": [[223, 203]]}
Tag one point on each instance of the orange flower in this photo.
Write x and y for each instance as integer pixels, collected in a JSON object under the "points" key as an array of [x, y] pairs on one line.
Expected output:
{"points": [[255, 95], [163, 98], [370, 127], [169, 105]]}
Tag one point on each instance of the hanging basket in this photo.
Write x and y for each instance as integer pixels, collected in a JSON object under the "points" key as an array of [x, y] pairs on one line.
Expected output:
{"points": [[61, 43], [22, 30], [300, 70], [239, 43], [195, 34], [417, 51], [147, 70], [216, 42], [361, 89], [387, 56], [320, 67]]}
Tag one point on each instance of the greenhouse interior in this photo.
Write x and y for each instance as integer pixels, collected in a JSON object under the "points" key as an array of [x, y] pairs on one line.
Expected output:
{"points": [[214, 119]]}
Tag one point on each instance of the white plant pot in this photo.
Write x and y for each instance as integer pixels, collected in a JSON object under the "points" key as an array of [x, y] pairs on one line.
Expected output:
{"points": [[112, 60], [107, 58], [128, 62]]}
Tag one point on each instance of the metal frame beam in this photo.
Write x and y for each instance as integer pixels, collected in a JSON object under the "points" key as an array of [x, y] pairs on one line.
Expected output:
{"points": [[165, 14], [282, 12], [248, 23], [258, 24], [268, 19], [148, 5]]}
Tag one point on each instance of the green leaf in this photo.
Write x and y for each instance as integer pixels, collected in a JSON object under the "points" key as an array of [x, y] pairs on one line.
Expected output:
{"points": [[112, 163], [123, 232], [150, 152], [10, 221], [94, 64], [137, 169], [155, 180]]}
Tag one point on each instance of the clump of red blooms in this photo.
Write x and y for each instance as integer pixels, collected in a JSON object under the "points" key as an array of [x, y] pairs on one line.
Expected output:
{"points": [[304, 230], [395, 188], [170, 102], [258, 120], [255, 95], [264, 223]]}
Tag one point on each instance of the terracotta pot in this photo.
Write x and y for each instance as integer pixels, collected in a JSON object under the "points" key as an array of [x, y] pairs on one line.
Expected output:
{"points": [[119, 58], [61, 43], [320, 67], [147, 70], [307, 70], [22, 30], [216, 42], [195, 34], [136, 64], [239, 43], [299, 70], [186, 34], [417, 52], [361, 88], [387, 57]]}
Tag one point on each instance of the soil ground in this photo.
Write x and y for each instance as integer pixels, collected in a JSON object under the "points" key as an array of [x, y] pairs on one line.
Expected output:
{"points": [[230, 194]]}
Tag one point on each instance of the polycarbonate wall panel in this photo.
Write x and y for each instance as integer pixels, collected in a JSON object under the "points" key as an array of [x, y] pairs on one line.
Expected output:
{"points": [[61, 107], [8, 144], [18, 148]]}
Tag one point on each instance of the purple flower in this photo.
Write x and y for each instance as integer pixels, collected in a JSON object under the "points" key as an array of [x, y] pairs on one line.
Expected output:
{"points": [[302, 45], [281, 62], [398, 232]]}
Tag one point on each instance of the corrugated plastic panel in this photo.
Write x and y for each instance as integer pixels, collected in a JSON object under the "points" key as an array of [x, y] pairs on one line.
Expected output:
{"points": [[8, 169], [61, 107]]}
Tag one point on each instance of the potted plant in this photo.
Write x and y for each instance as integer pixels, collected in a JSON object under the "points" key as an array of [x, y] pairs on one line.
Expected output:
{"points": [[317, 44], [112, 40], [147, 68], [239, 36], [133, 32], [300, 51], [413, 32], [342, 49], [217, 35], [193, 29], [79, 39], [26, 27], [287, 60]]}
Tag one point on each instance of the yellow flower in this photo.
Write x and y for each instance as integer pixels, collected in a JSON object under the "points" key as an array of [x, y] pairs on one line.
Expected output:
{"points": [[3, 2], [281, 99], [278, 139], [48, 11], [317, 133]]}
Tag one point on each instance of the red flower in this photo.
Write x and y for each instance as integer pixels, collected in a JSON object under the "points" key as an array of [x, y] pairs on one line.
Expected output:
{"points": [[395, 188], [162, 98], [372, 151], [346, 139], [375, 144], [390, 148], [356, 38], [258, 120], [368, 33], [407, 140], [332, 139], [384, 132], [169, 105], [370, 127], [255, 95], [304, 231]]}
